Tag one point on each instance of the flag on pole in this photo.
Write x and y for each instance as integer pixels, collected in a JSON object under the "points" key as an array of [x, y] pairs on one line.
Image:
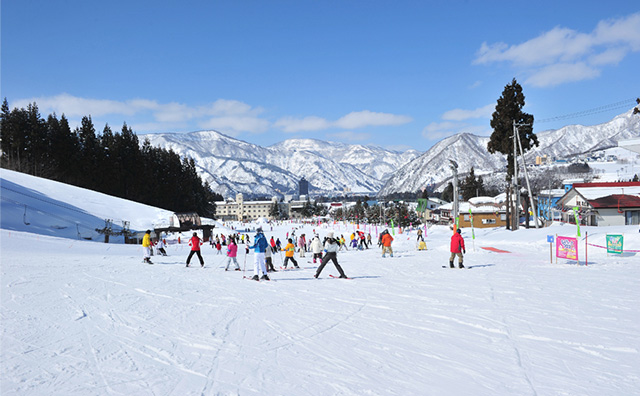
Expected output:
{"points": [[577, 217]]}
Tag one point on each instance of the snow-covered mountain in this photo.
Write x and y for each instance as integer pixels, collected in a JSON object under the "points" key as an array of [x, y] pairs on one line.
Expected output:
{"points": [[231, 165], [433, 167]]}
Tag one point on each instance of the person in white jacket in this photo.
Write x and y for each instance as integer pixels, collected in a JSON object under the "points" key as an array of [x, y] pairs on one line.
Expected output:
{"points": [[316, 247], [331, 247]]}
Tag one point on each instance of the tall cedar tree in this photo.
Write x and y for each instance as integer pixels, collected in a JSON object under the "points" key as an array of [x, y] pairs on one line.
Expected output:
{"points": [[508, 110], [472, 186]]}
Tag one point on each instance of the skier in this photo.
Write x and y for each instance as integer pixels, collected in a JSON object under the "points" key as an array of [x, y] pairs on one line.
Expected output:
{"points": [[232, 252], [289, 250], [342, 243], [331, 247], [218, 246], [386, 243], [146, 247], [160, 247], [302, 244], [457, 248], [195, 244], [267, 259], [259, 247], [316, 246], [272, 242]]}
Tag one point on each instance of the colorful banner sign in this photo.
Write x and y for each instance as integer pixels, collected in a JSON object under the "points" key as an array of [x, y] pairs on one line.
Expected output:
{"points": [[567, 248], [614, 244]]}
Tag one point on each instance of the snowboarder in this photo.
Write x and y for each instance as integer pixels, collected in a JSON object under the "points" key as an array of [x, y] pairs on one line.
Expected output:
{"points": [[195, 242], [289, 250], [259, 246], [232, 252], [316, 247], [457, 248], [146, 247], [386, 243], [331, 247]]}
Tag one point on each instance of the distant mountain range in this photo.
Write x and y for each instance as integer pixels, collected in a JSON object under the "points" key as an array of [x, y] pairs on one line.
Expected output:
{"points": [[231, 165]]}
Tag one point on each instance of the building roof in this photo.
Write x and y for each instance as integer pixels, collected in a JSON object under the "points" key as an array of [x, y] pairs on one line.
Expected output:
{"points": [[592, 191], [616, 201]]}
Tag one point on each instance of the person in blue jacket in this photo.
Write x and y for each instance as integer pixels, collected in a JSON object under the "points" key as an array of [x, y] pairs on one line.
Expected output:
{"points": [[259, 246]]}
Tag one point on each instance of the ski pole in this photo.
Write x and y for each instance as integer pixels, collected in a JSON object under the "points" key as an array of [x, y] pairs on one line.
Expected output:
{"points": [[244, 266]]}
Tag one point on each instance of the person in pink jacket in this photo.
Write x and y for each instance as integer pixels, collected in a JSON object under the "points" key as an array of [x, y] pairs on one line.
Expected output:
{"points": [[232, 252], [457, 248]]}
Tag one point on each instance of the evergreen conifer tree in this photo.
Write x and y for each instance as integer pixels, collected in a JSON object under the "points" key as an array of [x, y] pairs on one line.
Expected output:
{"points": [[509, 109]]}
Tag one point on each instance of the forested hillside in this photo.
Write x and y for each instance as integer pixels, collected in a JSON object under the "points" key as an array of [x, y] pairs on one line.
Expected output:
{"points": [[114, 163]]}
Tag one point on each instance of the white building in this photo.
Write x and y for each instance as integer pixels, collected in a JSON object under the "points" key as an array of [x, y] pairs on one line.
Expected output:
{"points": [[242, 210], [602, 204]]}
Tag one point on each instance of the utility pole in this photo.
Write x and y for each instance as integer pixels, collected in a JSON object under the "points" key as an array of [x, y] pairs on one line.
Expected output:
{"points": [[454, 167], [516, 190], [526, 176]]}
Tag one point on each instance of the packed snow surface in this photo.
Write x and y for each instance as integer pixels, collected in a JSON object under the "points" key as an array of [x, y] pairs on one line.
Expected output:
{"points": [[88, 318]]}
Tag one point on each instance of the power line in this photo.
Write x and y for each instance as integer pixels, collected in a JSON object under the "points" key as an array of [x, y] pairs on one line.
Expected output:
{"points": [[610, 107]]}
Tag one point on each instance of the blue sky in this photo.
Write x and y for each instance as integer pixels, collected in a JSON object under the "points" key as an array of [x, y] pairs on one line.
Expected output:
{"points": [[401, 74]]}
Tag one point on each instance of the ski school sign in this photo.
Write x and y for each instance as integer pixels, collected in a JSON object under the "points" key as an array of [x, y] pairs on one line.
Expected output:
{"points": [[566, 248], [614, 244]]}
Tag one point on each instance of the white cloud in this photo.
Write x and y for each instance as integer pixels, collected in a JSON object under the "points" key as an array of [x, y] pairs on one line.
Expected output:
{"points": [[563, 55], [461, 115], [361, 119], [229, 116], [562, 73], [73, 106], [353, 120], [311, 123]]}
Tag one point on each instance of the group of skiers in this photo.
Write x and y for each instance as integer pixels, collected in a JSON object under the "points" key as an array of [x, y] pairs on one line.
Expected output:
{"points": [[263, 250]]}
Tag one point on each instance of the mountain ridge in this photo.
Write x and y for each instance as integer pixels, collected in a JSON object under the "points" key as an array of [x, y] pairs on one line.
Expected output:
{"points": [[235, 166]]}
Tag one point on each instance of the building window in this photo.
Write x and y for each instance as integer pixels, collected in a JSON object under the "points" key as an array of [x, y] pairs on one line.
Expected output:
{"points": [[632, 217], [488, 221]]}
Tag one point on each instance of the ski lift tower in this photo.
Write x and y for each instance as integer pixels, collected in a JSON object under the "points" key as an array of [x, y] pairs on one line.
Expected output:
{"points": [[455, 211]]}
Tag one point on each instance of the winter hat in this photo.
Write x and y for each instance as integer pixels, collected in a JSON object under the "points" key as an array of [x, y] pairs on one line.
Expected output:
{"points": [[459, 231], [259, 230], [330, 235]]}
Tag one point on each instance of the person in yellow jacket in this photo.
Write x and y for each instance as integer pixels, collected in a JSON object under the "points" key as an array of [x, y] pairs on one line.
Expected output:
{"points": [[288, 253], [146, 247]]}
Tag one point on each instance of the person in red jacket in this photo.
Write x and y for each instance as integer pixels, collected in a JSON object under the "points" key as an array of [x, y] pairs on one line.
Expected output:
{"points": [[195, 244], [457, 248]]}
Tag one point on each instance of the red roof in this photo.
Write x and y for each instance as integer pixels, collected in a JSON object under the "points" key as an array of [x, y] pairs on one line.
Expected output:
{"points": [[605, 184], [616, 201]]}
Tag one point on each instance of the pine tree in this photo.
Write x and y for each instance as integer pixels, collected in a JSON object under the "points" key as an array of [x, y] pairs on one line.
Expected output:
{"points": [[447, 194], [508, 110]]}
